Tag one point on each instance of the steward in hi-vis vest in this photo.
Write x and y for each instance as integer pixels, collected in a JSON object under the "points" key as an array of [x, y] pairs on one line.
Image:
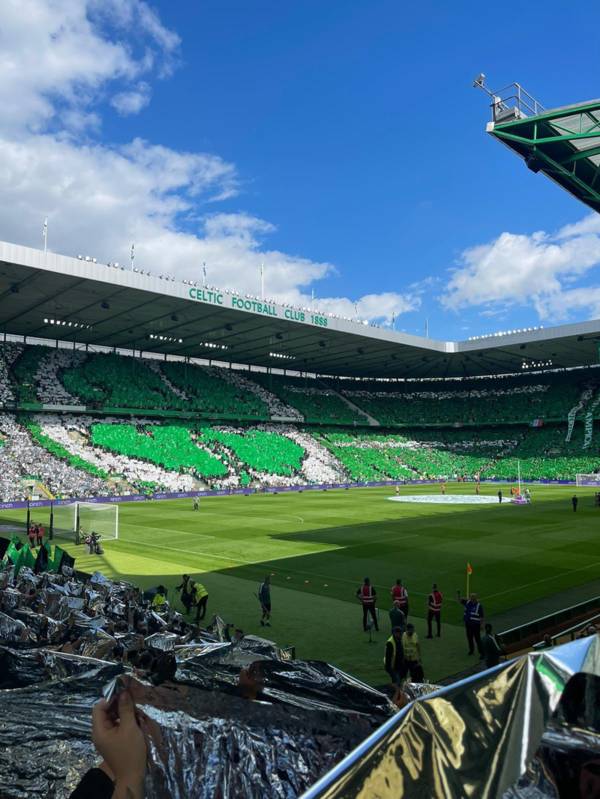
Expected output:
{"points": [[367, 596], [434, 610], [473, 616], [400, 594], [393, 659]]}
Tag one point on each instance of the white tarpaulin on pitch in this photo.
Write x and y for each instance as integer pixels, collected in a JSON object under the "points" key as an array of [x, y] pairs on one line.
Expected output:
{"points": [[450, 499]]}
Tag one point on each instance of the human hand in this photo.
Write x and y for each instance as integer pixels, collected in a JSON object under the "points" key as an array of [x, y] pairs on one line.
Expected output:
{"points": [[122, 744]]}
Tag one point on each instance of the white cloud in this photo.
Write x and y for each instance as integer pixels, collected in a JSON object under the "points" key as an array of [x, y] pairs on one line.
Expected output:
{"points": [[537, 269], [61, 61], [133, 101]]}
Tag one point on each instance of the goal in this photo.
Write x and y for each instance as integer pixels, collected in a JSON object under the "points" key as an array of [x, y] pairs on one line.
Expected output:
{"points": [[77, 520], [587, 479]]}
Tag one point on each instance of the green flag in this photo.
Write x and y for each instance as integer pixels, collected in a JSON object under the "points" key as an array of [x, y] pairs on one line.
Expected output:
{"points": [[27, 556], [11, 554], [54, 559]]}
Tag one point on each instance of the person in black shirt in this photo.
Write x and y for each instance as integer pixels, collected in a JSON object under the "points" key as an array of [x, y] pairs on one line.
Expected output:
{"points": [[491, 648]]}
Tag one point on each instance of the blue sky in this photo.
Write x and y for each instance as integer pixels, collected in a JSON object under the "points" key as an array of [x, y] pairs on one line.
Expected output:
{"points": [[341, 143]]}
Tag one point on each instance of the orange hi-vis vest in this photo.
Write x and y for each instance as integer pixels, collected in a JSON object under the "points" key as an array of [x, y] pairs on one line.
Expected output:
{"points": [[435, 601], [367, 597]]}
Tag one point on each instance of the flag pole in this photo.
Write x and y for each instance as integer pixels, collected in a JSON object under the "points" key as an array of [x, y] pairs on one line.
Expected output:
{"points": [[519, 474], [468, 583], [132, 256], [45, 235]]}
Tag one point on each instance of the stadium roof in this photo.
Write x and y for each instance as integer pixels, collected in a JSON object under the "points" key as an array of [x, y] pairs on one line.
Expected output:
{"points": [[563, 143], [44, 295]]}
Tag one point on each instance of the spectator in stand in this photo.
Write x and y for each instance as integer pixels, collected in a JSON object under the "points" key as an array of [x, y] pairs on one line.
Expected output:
{"points": [[434, 610], [393, 660], [32, 534], [186, 594], [397, 617], [400, 594], [492, 650], [39, 535], [473, 616], [200, 600], [121, 742], [367, 596], [412, 654], [574, 502]]}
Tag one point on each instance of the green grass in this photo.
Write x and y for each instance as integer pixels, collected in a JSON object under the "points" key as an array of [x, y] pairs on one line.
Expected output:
{"points": [[319, 546]]}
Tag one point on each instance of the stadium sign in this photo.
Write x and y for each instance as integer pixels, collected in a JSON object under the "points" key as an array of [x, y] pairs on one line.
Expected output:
{"points": [[237, 303]]}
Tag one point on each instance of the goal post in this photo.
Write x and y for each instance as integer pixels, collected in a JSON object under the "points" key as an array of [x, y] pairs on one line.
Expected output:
{"points": [[587, 480], [77, 520]]}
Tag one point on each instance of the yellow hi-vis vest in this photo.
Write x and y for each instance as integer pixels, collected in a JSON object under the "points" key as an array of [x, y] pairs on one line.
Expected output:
{"points": [[409, 645], [199, 591], [391, 640]]}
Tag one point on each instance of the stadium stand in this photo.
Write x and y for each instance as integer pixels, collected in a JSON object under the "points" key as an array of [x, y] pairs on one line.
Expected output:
{"points": [[83, 455], [486, 401], [106, 455], [130, 474], [205, 390], [115, 381], [23, 458], [169, 446], [315, 401]]}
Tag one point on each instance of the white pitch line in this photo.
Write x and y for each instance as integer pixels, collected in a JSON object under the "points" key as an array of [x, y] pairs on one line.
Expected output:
{"points": [[284, 557]]}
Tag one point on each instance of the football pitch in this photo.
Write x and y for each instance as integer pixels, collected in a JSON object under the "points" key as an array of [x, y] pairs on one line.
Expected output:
{"points": [[318, 547]]}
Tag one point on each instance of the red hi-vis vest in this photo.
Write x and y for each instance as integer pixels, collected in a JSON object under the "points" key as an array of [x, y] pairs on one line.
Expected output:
{"points": [[435, 601], [367, 597], [400, 594]]}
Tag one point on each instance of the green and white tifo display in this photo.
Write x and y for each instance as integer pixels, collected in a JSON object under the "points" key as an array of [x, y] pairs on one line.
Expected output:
{"points": [[79, 424]]}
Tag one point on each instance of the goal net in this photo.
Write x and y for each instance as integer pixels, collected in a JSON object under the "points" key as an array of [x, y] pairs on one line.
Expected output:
{"points": [[77, 520], [587, 479]]}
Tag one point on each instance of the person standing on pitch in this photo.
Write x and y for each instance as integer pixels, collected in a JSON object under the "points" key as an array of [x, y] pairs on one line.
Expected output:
{"points": [[500, 496], [412, 654], [397, 617], [196, 503], [186, 592], [400, 594], [368, 597], [434, 610], [393, 659], [200, 600], [264, 597], [574, 502], [473, 617]]}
